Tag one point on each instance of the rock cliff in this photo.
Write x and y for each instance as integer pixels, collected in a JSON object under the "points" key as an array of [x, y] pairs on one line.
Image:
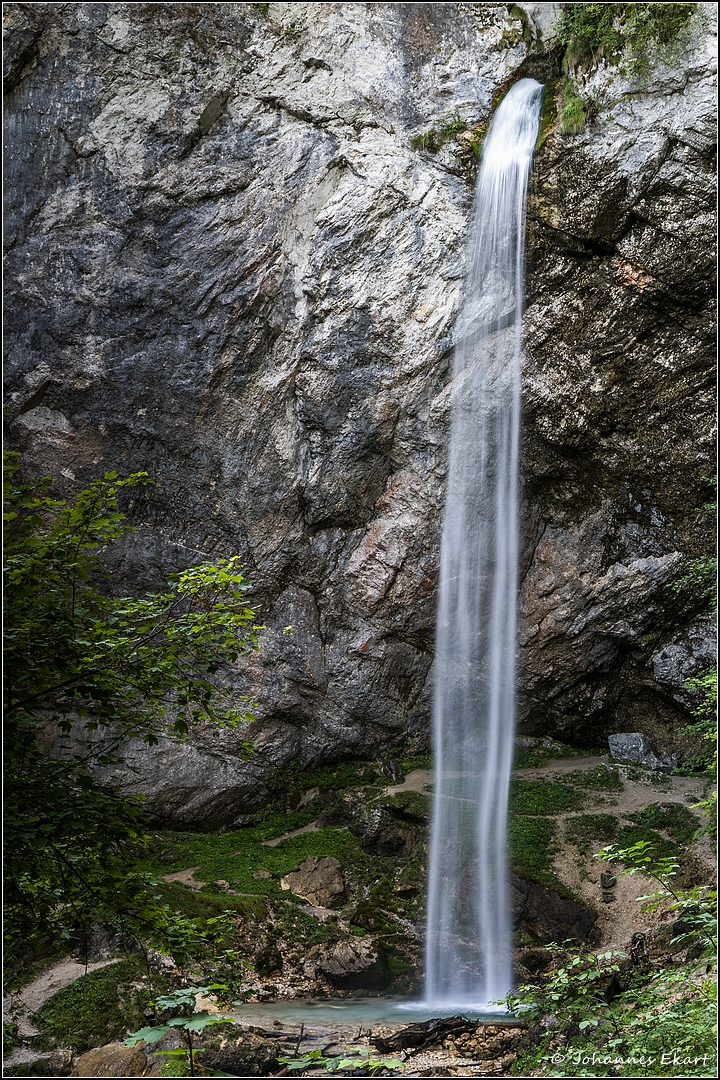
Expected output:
{"points": [[231, 262]]}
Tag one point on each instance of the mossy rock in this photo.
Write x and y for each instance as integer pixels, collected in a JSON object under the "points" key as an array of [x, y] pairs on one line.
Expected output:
{"points": [[413, 805]]}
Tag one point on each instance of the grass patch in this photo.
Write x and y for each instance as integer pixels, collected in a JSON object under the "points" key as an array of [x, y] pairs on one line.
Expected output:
{"points": [[416, 761], [280, 860], [97, 1008], [672, 818], [634, 833], [597, 779], [532, 757], [335, 777], [233, 857], [541, 797], [532, 846], [574, 114], [203, 905], [586, 829]]}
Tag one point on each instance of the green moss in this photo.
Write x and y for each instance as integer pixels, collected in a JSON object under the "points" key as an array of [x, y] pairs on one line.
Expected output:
{"points": [[586, 829], [574, 114], [437, 137], [541, 797], [548, 112], [597, 779], [673, 818], [97, 1008], [591, 31]]}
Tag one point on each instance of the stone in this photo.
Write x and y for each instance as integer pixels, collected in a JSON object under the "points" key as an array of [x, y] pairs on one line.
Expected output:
{"points": [[352, 964], [318, 880], [633, 746], [114, 1059], [260, 874], [545, 916], [607, 881]]}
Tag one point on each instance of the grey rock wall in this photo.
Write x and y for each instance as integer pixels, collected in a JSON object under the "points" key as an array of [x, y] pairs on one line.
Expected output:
{"points": [[228, 266]]}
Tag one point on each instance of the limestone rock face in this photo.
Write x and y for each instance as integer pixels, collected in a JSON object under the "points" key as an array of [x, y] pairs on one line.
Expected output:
{"points": [[228, 265], [318, 880]]}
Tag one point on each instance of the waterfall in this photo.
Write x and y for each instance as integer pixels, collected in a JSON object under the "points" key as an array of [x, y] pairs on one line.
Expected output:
{"points": [[468, 950]]}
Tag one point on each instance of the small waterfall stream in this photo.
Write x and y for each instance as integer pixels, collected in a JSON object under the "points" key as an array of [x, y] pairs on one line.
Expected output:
{"points": [[468, 953]]}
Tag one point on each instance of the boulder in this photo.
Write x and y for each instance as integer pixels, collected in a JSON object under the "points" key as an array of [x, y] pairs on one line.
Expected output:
{"points": [[318, 880], [352, 964], [633, 746], [112, 1060], [237, 1052], [544, 915]]}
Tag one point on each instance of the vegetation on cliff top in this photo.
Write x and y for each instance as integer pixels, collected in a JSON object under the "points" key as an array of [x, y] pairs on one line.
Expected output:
{"points": [[627, 33], [593, 31]]}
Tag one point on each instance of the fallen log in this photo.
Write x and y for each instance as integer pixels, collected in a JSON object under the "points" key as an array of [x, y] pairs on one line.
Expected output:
{"points": [[417, 1037]]}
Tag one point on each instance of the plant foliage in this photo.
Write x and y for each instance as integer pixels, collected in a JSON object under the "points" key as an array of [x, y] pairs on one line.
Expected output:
{"points": [[591, 31], [81, 661], [613, 1014]]}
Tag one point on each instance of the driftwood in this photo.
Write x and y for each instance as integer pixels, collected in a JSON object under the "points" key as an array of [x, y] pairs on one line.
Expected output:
{"points": [[417, 1037]]}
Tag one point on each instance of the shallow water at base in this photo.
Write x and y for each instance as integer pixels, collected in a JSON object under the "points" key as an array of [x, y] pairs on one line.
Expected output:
{"points": [[363, 1012]]}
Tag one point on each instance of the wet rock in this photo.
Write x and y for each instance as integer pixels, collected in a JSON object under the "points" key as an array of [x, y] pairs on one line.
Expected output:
{"points": [[544, 915], [633, 746], [318, 880], [388, 830], [352, 964], [268, 960]]}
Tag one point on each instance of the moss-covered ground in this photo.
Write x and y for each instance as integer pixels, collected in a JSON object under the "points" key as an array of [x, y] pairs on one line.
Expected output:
{"points": [[97, 1008]]}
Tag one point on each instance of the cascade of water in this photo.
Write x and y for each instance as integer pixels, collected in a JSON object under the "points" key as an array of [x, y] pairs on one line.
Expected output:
{"points": [[468, 955]]}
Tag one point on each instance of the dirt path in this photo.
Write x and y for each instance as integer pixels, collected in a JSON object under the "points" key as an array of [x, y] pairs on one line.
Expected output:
{"points": [[18, 1008], [312, 827]]}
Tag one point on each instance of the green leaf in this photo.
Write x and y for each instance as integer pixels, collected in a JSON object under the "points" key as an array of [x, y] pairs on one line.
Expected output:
{"points": [[149, 1035]]}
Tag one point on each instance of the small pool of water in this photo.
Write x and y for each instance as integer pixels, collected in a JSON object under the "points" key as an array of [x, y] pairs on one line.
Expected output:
{"points": [[358, 1012]]}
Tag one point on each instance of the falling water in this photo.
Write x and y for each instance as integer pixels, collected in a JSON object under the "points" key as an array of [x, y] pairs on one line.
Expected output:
{"points": [[468, 955]]}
